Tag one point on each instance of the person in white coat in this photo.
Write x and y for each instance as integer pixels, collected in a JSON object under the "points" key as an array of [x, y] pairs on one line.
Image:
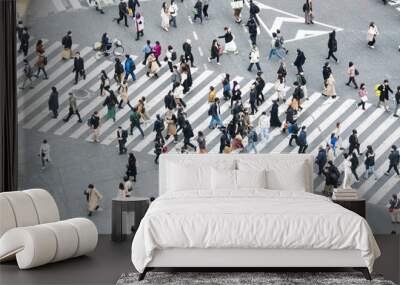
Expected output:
{"points": [[165, 16], [93, 198], [254, 58], [372, 33], [263, 125], [173, 12], [44, 153], [279, 87], [347, 180]]}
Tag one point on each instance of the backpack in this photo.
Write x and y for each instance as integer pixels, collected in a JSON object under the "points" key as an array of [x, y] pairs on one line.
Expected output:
{"points": [[356, 72], [256, 9], [277, 43], [45, 60], [255, 137], [90, 121], [124, 134], [377, 91], [173, 56], [63, 41]]}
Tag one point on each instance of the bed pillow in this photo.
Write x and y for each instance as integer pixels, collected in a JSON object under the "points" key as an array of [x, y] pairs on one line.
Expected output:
{"points": [[223, 179], [256, 179], [183, 177]]}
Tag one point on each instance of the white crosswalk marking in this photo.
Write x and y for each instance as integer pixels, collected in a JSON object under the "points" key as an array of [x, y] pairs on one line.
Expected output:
{"points": [[39, 102], [65, 96], [155, 84], [75, 4], [49, 50], [345, 125], [382, 150], [331, 119], [275, 132], [385, 189], [45, 83], [149, 138], [375, 135], [59, 5], [32, 50]]}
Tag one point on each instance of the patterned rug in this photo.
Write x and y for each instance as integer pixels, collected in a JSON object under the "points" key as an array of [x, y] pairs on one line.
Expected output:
{"points": [[244, 278]]}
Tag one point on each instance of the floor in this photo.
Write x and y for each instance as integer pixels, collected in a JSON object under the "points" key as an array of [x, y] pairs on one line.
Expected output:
{"points": [[110, 260]]}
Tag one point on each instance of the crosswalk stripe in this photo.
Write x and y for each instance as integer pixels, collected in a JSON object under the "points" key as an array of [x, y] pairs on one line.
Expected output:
{"points": [[385, 189], [331, 119], [49, 50], [200, 95], [204, 107], [275, 132], [60, 84], [376, 134], [344, 125], [380, 151], [39, 102], [31, 44], [75, 4], [308, 121], [153, 85], [32, 50], [147, 140], [97, 100], [103, 111], [62, 113], [59, 5]]}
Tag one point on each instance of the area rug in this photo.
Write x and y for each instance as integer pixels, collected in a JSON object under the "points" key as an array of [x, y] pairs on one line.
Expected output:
{"points": [[253, 278]]}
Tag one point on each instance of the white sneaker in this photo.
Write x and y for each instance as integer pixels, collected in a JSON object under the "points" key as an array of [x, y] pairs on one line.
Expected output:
{"points": [[209, 60], [218, 63], [236, 52]]}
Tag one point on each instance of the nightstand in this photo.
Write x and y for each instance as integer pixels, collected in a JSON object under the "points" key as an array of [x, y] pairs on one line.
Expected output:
{"points": [[357, 206], [126, 215]]}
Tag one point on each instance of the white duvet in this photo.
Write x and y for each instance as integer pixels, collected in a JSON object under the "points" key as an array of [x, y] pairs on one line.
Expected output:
{"points": [[250, 219]]}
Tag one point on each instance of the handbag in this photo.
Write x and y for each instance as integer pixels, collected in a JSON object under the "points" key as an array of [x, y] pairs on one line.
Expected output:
{"points": [[364, 99], [237, 4]]}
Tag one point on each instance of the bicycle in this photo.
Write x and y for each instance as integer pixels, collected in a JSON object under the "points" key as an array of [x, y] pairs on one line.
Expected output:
{"points": [[116, 49]]}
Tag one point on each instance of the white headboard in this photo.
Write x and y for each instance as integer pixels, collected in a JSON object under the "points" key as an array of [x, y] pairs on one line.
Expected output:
{"points": [[210, 159]]}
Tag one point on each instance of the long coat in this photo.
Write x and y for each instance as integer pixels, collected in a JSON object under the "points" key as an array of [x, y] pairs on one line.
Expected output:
{"points": [[171, 127], [53, 101], [152, 64], [94, 198], [330, 89]]}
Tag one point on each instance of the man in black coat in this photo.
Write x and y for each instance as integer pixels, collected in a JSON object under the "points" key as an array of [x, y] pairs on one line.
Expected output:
{"points": [[332, 46], [299, 61], [187, 135], [260, 84], [252, 26], [254, 10], [123, 13], [224, 140], [158, 128], [79, 67], [354, 144], [384, 97], [187, 49], [67, 44], [394, 159], [24, 41]]}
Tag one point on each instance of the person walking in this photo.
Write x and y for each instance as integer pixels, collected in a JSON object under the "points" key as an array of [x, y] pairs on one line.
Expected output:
{"points": [[28, 73], [363, 94], [152, 66], [252, 28], [253, 99], [123, 13], [224, 140], [274, 119], [93, 198], [347, 167], [187, 135], [253, 11], [73, 108], [260, 84], [354, 144], [372, 34], [131, 167], [236, 93], [118, 72], [159, 127], [299, 61], [230, 45], [321, 159], [187, 49], [44, 153], [263, 125], [79, 67], [332, 46], [237, 6], [215, 48], [215, 113], [41, 59], [67, 44], [303, 84], [370, 163], [129, 67], [252, 138], [254, 58], [352, 72], [279, 88], [94, 124], [122, 136], [330, 90], [53, 102], [394, 159], [275, 47], [397, 102], [384, 90], [122, 191], [104, 82], [297, 96], [171, 127], [123, 92], [173, 12], [354, 164], [147, 50], [394, 208], [24, 41], [201, 141], [97, 5], [338, 135], [332, 176], [198, 11], [158, 148], [157, 52], [302, 140], [139, 23], [308, 12], [170, 57], [326, 72], [111, 101], [293, 130], [165, 16], [206, 3], [135, 122], [226, 87], [132, 7]]}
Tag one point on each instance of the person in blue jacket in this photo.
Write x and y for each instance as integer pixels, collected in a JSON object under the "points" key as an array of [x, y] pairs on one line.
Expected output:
{"points": [[129, 67]]}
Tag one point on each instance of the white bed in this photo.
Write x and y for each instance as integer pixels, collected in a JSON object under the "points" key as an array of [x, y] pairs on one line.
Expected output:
{"points": [[267, 218]]}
